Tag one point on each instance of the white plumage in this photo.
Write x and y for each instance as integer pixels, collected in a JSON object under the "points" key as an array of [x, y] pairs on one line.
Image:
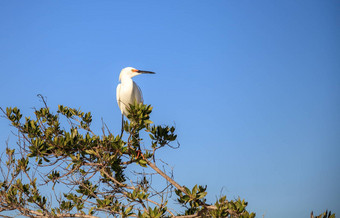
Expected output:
{"points": [[128, 91]]}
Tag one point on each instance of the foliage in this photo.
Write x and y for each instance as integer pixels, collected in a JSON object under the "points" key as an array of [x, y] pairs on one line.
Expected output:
{"points": [[325, 214], [87, 174]]}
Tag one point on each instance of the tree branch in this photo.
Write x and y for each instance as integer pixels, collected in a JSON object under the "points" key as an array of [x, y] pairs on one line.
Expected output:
{"points": [[173, 182]]}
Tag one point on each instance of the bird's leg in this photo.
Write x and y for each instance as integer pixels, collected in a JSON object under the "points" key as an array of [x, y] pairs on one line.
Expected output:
{"points": [[121, 133]]}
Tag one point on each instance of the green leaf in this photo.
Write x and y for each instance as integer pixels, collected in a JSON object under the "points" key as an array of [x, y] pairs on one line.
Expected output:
{"points": [[187, 190], [90, 152], [202, 195], [194, 189]]}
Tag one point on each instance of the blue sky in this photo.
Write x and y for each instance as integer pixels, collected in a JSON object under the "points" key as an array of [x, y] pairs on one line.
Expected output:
{"points": [[252, 86]]}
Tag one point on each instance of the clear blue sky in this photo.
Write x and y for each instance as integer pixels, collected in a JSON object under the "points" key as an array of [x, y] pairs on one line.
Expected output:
{"points": [[253, 87]]}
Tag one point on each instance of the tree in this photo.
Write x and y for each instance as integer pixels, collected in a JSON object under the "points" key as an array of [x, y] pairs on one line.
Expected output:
{"points": [[86, 175], [76, 173]]}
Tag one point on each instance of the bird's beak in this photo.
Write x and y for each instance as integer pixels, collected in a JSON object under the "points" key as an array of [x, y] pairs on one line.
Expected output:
{"points": [[143, 71]]}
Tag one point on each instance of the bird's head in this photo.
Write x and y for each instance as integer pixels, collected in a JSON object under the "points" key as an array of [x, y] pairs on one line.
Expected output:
{"points": [[131, 72]]}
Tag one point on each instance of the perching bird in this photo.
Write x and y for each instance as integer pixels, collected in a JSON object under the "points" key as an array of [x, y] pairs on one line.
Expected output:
{"points": [[128, 91]]}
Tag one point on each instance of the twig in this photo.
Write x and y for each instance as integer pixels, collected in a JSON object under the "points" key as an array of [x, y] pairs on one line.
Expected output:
{"points": [[173, 182]]}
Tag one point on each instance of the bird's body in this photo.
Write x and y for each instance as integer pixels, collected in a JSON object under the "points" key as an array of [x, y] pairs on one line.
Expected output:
{"points": [[128, 91]]}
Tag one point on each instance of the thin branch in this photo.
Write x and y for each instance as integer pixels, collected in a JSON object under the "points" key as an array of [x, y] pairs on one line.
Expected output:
{"points": [[115, 181], [173, 182], [43, 99]]}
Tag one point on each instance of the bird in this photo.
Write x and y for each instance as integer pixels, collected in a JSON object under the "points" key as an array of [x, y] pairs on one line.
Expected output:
{"points": [[128, 91]]}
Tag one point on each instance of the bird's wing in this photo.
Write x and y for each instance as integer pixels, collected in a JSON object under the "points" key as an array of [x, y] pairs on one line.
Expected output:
{"points": [[137, 93]]}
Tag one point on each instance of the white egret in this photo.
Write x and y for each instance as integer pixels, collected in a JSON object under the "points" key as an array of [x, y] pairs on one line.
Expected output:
{"points": [[128, 91]]}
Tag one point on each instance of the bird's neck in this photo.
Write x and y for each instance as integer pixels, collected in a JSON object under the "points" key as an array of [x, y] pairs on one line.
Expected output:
{"points": [[126, 79]]}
